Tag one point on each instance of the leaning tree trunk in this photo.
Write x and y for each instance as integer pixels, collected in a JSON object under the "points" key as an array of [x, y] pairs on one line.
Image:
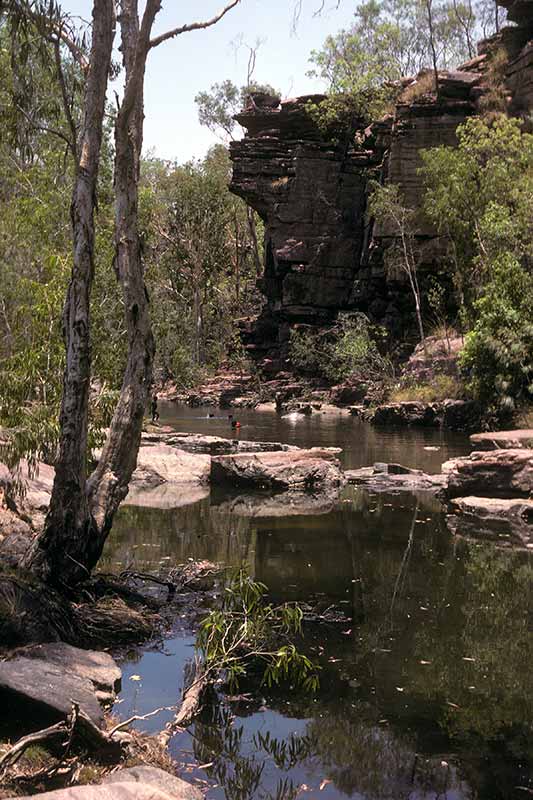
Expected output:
{"points": [[108, 485], [60, 549]]}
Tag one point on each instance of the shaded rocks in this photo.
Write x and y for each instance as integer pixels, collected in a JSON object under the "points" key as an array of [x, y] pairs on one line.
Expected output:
{"points": [[395, 477], [460, 415], [348, 393], [406, 413], [303, 470], [134, 783], [505, 520], [495, 473], [451, 414]]}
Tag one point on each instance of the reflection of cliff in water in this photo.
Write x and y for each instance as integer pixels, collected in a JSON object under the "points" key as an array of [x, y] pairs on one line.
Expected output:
{"points": [[430, 664]]}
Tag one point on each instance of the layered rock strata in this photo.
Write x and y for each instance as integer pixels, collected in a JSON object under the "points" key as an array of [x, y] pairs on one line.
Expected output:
{"points": [[323, 254]]}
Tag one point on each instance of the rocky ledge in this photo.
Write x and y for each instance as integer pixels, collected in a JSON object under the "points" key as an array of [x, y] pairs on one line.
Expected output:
{"points": [[134, 783], [494, 473], [506, 521], [307, 470], [490, 492]]}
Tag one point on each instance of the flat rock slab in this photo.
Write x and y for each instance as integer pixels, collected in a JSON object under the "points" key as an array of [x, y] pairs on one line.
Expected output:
{"points": [[492, 473], [135, 783], [498, 440], [304, 470], [211, 445], [500, 519], [44, 690], [93, 665], [160, 463]]}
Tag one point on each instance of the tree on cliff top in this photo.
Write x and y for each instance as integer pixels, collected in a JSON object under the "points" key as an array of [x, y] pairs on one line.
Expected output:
{"points": [[82, 507], [391, 39]]}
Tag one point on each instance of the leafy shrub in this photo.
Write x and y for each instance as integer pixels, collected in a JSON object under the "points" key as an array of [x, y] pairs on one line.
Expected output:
{"points": [[350, 349], [498, 354], [247, 632]]}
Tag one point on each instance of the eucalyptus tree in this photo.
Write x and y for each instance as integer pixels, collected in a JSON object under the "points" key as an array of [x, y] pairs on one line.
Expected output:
{"points": [[82, 506]]}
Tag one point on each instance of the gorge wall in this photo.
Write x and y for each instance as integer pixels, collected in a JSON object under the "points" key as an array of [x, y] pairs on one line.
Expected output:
{"points": [[323, 254]]}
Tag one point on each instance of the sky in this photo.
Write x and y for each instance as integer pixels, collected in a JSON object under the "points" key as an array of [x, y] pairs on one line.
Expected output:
{"points": [[177, 70]]}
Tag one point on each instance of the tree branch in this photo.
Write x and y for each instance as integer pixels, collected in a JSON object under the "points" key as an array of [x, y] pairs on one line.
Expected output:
{"points": [[64, 94], [193, 26]]}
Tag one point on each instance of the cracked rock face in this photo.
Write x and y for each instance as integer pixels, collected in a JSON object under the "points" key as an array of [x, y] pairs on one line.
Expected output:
{"points": [[323, 254]]}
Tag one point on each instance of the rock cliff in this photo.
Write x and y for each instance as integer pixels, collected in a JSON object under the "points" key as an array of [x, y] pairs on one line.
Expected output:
{"points": [[322, 252]]}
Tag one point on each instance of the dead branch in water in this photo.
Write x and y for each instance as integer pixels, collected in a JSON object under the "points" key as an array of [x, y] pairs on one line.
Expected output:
{"points": [[189, 708]]}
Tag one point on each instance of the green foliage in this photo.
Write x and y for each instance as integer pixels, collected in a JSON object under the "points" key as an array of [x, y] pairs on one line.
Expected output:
{"points": [[201, 267], [350, 349], [498, 352], [481, 195], [35, 266], [390, 39], [341, 113], [218, 107], [248, 633]]}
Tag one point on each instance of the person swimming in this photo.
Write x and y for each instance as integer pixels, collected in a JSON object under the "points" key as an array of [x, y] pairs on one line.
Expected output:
{"points": [[235, 424]]}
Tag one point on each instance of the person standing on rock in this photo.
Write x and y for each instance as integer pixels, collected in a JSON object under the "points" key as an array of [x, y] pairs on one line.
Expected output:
{"points": [[155, 412]]}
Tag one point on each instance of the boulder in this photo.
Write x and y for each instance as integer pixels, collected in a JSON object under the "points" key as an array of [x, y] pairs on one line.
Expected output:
{"points": [[348, 393], [394, 477], [504, 520], [93, 665], [160, 463], [306, 470], [493, 473], [134, 783], [497, 440], [43, 692], [438, 354]]}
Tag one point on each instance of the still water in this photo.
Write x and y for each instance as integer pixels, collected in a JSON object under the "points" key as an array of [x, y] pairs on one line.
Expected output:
{"points": [[426, 685]]}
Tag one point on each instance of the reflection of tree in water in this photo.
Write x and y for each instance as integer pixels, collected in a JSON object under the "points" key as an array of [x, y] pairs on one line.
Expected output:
{"points": [[367, 759], [349, 748], [218, 741]]}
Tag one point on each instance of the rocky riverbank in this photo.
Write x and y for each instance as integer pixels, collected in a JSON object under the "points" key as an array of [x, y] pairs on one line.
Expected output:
{"points": [[488, 493]]}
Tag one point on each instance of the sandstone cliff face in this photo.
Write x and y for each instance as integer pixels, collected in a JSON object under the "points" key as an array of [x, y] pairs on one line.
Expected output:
{"points": [[322, 252]]}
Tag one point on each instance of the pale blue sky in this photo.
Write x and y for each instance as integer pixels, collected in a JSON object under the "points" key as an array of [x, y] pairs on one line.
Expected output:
{"points": [[179, 69]]}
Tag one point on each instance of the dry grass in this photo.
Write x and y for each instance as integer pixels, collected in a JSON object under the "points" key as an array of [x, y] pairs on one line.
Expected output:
{"points": [[442, 387], [424, 87], [495, 99]]}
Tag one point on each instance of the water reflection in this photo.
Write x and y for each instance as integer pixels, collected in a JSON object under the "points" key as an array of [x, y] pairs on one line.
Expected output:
{"points": [[426, 687]]}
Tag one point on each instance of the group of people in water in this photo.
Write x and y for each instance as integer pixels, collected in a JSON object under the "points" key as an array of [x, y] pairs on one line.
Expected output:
{"points": [[235, 424]]}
